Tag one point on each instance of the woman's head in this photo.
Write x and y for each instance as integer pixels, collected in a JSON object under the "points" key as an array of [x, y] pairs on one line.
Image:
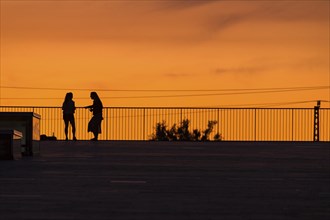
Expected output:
{"points": [[94, 95], [69, 96]]}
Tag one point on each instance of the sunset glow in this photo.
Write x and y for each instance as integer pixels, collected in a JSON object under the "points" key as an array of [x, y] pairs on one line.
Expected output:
{"points": [[122, 49]]}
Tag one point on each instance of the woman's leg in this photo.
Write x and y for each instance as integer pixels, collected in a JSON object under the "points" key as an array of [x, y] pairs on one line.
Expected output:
{"points": [[95, 126], [97, 130], [73, 124], [96, 134], [66, 129]]}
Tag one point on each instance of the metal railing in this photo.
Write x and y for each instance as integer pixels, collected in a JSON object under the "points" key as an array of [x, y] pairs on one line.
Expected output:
{"points": [[234, 124]]}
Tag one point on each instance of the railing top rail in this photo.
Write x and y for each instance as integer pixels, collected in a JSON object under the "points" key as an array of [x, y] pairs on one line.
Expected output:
{"points": [[137, 107]]}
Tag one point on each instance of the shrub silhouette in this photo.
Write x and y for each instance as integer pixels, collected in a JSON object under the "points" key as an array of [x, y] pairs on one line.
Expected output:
{"points": [[161, 133], [217, 137], [209, 130], [182, 133], [196, 135], [172, 134]]}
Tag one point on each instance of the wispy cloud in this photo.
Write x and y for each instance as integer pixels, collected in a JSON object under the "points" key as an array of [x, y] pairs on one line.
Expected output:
{"points": [[303, 11], [229, 15], [312, 64], [239, 70], [175, 21], [183, 4], [222, 22], [178, 75]]}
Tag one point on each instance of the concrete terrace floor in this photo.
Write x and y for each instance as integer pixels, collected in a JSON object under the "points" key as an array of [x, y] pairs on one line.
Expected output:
{"points": [[168, 180]]}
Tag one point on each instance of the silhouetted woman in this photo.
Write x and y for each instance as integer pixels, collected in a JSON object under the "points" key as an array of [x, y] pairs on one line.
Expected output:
{"points": [[94, 124], [69, 108]]}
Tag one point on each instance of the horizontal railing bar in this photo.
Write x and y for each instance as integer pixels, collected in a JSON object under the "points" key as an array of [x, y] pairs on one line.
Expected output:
{"points": [[134, 107]]}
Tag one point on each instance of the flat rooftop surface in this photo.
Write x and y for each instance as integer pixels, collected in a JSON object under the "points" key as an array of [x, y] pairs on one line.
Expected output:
{"points": [[168, 180]]}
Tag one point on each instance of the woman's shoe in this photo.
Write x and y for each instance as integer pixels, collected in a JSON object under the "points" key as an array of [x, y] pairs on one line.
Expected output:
{"points": [[94, 139]]}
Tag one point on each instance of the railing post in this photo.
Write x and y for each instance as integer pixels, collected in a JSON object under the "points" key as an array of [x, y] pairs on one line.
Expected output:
{"points": [[292, 115], [107, 124], [181, 115], [255, 124], [316, 123], [218, 121], [144, 123]]}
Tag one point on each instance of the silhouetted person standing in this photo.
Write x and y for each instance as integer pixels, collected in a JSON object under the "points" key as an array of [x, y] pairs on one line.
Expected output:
{"points": [[69, 108], [94, 124]]}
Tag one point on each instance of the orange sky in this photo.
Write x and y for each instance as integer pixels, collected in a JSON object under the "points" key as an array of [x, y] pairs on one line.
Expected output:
{"points": [[164, 45]]}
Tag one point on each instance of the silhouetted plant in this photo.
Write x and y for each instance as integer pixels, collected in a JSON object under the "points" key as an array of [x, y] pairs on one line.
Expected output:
{"points": [[173, 133], [208, 131], [182, 133], [196, 135], [217, 137], [161, 133]]}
